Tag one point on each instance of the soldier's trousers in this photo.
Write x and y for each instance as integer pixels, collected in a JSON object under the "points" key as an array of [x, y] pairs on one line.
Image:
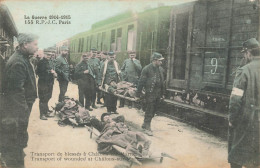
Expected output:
{"points": [[63, 89], [152, 104], [94, 96], [14, 138], [111, 102], [45, 94], [99, 95], [87, 94]]}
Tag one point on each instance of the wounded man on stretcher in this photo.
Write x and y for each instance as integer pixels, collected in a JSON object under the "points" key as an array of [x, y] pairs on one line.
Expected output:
{"points": [[115, 132]]}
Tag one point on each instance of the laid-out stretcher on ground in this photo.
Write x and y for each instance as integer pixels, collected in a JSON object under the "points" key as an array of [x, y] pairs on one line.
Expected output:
{"points": [[131, 158]]}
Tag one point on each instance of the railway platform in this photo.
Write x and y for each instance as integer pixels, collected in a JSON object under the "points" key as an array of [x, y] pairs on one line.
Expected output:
{"points": [[51, 145]]}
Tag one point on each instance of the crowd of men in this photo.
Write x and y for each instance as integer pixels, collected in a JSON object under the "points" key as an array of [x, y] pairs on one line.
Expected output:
{"points": [[97, 69]]}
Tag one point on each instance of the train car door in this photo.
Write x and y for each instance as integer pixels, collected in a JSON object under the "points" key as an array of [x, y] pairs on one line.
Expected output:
{"points": [[179, 49]]}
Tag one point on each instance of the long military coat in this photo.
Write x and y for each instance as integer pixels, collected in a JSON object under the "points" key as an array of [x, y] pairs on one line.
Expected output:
{"points": [[46, 79], [244, 115], [94, 65], [85, 81], [148, 80], [62, 68], [131, 70], [20, 94]]}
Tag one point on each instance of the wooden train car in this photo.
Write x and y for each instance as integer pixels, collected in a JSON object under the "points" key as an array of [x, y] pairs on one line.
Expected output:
{"points": [[201, 41], [142, 32], [204, 50], [8, 31]]}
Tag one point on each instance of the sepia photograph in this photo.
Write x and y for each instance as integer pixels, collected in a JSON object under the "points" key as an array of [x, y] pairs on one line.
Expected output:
{"points": [[129, 83]]}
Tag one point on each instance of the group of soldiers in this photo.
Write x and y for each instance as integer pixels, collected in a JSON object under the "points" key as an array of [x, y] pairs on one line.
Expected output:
{"points": [[93, 73], [98, 69]]}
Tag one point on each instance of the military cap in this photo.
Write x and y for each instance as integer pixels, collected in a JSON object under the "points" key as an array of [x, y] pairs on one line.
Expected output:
{"points": [[87, 54], [111, 53], [103, 115], [131, 52], [46, 51], [157, 56], [26, 38], [63, 48], [250, 44], [93, 49], [98, 52], [105, 53]]}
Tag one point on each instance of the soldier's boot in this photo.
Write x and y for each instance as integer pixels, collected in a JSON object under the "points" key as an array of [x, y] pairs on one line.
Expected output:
{"points": [[98, 101], [94, 106], [144, 125], [147, 129], [148, 132]]}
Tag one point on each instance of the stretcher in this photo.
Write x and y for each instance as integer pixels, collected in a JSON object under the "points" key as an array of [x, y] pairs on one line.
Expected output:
{"points": [[122, 96], [131, 158]]}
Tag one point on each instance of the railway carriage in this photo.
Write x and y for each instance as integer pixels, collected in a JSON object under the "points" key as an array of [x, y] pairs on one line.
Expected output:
{"points": [[201, 41], [204, 51], [8, 31], [142, 32]]}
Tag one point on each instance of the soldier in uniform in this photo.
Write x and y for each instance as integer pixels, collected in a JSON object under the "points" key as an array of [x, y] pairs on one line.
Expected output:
{"points": [[131, 71], [62, 69], [20, 94], [101, 95], [152, 80], [99, 53], [94, 65], [110, 73], [244, 110], [46, 75], [86, 82], [52, 61], [103, 58]]}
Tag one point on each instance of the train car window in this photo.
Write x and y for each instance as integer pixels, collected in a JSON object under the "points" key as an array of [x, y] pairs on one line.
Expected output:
{"points": [[103, 41], [79, 45], [99, 41], [113, 40], [91, 38], [118, 39], [130, 38], [87, 44], [82, 44]]}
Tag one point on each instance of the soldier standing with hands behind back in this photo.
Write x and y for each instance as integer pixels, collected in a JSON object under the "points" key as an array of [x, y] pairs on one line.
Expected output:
{"points": [[63, 70], [152, 80], [244, 110]]}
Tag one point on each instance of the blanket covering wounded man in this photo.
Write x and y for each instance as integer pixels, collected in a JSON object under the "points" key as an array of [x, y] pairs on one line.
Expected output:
{"points": [[113, 131]]}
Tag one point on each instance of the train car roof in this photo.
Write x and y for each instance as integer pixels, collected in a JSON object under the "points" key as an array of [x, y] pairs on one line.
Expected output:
{"points": [[4, 11], [113, 19], [116, 19]]}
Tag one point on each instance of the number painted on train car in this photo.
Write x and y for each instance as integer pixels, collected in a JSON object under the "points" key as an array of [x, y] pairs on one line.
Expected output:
{"points": [[214, 63]]}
